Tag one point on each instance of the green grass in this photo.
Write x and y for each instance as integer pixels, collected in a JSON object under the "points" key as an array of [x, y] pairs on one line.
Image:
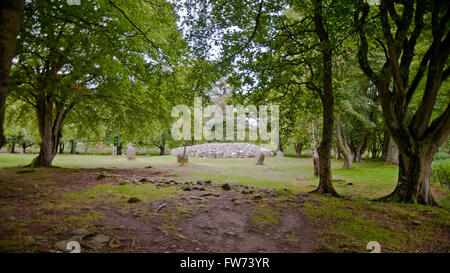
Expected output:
{"points": [[348, 225], [144, 192]]}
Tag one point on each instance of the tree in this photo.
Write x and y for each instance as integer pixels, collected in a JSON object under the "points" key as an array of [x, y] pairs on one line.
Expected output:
{"points": [[11, 12], [96, 57], [416, 45]]}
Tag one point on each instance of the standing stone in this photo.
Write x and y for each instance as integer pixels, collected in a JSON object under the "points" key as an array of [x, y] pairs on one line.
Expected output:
{"points": [[114, 150], [181, 159], [131, 154], [280, 154], [259, 159]]}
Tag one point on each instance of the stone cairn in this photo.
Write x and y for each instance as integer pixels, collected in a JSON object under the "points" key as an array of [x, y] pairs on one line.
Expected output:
{"points": [[223, 150]]}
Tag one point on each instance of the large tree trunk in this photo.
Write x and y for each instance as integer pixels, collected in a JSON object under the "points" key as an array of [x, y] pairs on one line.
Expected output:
{"points": [[342, 145], [325, 185], [326, 96], [49, 137], [49, 127], [11, 12], [413, 185]]}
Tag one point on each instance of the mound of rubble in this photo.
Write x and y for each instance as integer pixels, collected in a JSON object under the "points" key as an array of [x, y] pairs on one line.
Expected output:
{"points": [[223, 150]]}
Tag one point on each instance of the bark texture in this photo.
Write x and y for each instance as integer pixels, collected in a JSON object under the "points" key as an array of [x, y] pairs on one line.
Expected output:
{"points": [[11, 12], [325, 184], [416, 134]]}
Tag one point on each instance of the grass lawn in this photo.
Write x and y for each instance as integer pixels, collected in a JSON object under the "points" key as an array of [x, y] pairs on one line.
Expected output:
{"points": [[370, 179]]}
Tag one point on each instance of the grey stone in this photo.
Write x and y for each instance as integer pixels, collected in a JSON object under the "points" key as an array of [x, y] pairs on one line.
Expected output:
{"points": [[131, 154], [134, 200], [62, 245], [226, 186], [259, 159]]}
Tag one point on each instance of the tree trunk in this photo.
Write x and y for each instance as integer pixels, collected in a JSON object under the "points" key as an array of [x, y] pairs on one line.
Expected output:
{"points": [[13, 147], [315, 155], [73, 147], [342, 144], [413, 185], [325, 185], [374, 149], [11, 12], [162, 149], [50, 124], [61, 148], [119, 149], [298, 149]]}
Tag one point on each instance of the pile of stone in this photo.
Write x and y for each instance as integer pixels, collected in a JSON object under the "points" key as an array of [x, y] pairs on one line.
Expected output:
{"points": [[223, 150]]}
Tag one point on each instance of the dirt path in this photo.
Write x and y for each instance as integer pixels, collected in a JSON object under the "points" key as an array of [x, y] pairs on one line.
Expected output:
{"points": [[223, 227], [202, 216]]}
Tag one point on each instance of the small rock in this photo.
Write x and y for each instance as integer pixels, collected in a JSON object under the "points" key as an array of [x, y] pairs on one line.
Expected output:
{"points": [[257, 196], [62, 245], [187, 189], [143, 180], [226, 186], [80, 231], [100, 239], [101, 176], [134, 200], [416, 223], [324, 249]]}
